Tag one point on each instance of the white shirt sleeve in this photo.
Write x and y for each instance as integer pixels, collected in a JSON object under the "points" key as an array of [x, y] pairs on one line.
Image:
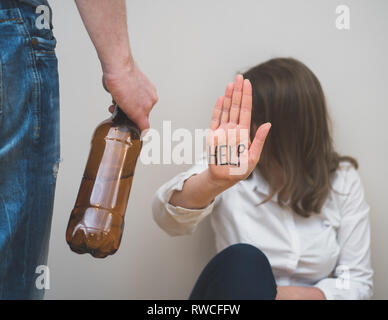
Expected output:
{"points": [[352, 279], [177, 220]]}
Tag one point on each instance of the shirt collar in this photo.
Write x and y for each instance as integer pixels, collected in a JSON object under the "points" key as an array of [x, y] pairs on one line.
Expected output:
{"points": [[257, 183]]}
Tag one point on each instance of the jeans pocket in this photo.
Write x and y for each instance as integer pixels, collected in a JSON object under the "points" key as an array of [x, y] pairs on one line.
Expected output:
{"points": [[43, 46]]}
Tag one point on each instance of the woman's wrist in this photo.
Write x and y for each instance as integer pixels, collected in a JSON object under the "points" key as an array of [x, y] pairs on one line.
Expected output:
{"points": [[198, 191], [299, 293], [207, 190], [219, 185]]}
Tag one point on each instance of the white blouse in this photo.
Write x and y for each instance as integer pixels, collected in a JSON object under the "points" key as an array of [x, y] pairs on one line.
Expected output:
{"points": [[330, 250]]}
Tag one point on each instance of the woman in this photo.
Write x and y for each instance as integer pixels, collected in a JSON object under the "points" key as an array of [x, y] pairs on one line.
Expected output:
{"points": [[295, 225]]}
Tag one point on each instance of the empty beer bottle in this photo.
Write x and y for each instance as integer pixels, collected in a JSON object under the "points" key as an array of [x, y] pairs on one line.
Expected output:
{"points": [[97, 220]]}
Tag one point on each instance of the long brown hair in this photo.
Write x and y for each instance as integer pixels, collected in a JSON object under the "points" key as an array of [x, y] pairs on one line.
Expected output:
{"points": [[289, 95]]}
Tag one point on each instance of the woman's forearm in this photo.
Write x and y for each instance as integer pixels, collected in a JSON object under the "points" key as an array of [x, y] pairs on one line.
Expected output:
{"points": [[299, 293], [198, 192]]}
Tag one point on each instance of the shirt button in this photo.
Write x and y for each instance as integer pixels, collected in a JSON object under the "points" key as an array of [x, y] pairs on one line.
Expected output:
{"points": [[34, 41]]}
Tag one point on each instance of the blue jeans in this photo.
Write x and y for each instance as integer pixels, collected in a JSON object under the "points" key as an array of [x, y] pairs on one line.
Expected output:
{"points": [[239, 272], [29, 146]]}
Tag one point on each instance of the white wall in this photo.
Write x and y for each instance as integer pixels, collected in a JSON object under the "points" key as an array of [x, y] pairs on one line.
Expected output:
{"points": [[190, 49]]}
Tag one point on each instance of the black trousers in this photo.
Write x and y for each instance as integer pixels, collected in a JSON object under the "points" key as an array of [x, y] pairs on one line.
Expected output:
{"points": [[239, 272]]}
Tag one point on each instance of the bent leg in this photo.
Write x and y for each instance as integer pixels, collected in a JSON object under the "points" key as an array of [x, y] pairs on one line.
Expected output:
{"points": [[239, 272]]}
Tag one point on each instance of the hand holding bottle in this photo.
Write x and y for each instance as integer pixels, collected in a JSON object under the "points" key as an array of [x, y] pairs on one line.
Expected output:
{"points": [[133, 92]]}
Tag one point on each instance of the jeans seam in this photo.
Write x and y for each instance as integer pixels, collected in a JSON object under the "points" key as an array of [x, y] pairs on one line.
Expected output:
{"points": [[1, 89], [8, 20], [36, 78], [45, 52]]}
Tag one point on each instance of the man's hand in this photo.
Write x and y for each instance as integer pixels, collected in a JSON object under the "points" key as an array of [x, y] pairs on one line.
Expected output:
{"points": [[133, 92], [106, 23]]}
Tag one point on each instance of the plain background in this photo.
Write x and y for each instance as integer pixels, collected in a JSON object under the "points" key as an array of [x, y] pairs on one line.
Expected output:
{"points": [[190, 50]]}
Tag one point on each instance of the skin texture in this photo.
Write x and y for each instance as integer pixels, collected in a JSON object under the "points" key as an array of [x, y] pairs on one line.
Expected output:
{"points": [[233, 111], [106, 23], [299, 293]]}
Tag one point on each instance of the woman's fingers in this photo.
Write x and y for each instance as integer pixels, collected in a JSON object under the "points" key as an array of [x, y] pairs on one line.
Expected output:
{"points": [[227, 103], [246, 105], [236, 99], [258, 142], [216, 117]]}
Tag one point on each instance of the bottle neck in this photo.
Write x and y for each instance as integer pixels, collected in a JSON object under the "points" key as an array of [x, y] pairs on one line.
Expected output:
{"points": [[120, 118], [118, 114]]}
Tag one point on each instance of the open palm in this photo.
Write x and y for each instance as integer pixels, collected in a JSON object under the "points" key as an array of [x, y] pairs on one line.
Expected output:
{"points": [[231, 155]]}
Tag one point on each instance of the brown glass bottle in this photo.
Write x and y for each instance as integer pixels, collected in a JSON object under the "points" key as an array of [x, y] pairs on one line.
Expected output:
{"points": [[97, 220]]}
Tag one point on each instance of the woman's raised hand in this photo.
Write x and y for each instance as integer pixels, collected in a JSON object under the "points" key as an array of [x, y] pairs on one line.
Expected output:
{"points": [[230, 154]]}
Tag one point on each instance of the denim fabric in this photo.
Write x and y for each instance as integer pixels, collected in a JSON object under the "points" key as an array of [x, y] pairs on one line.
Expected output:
{"points": [[29, 146], [34, 3], [239, 272]]}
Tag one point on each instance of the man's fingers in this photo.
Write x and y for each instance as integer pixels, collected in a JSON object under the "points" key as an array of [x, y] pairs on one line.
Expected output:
{"points": [[141, 121], [246, 105], [104, 84], [227, 103], [236, 99], [216, 117], [258, 142], [143, 124]]}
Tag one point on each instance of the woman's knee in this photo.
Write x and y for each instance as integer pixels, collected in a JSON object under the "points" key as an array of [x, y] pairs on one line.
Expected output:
{"points": [[240, 271], [243, 252]]}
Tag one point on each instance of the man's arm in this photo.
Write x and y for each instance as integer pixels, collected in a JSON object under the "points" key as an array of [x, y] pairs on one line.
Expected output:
{"points": [[106, 23]]}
